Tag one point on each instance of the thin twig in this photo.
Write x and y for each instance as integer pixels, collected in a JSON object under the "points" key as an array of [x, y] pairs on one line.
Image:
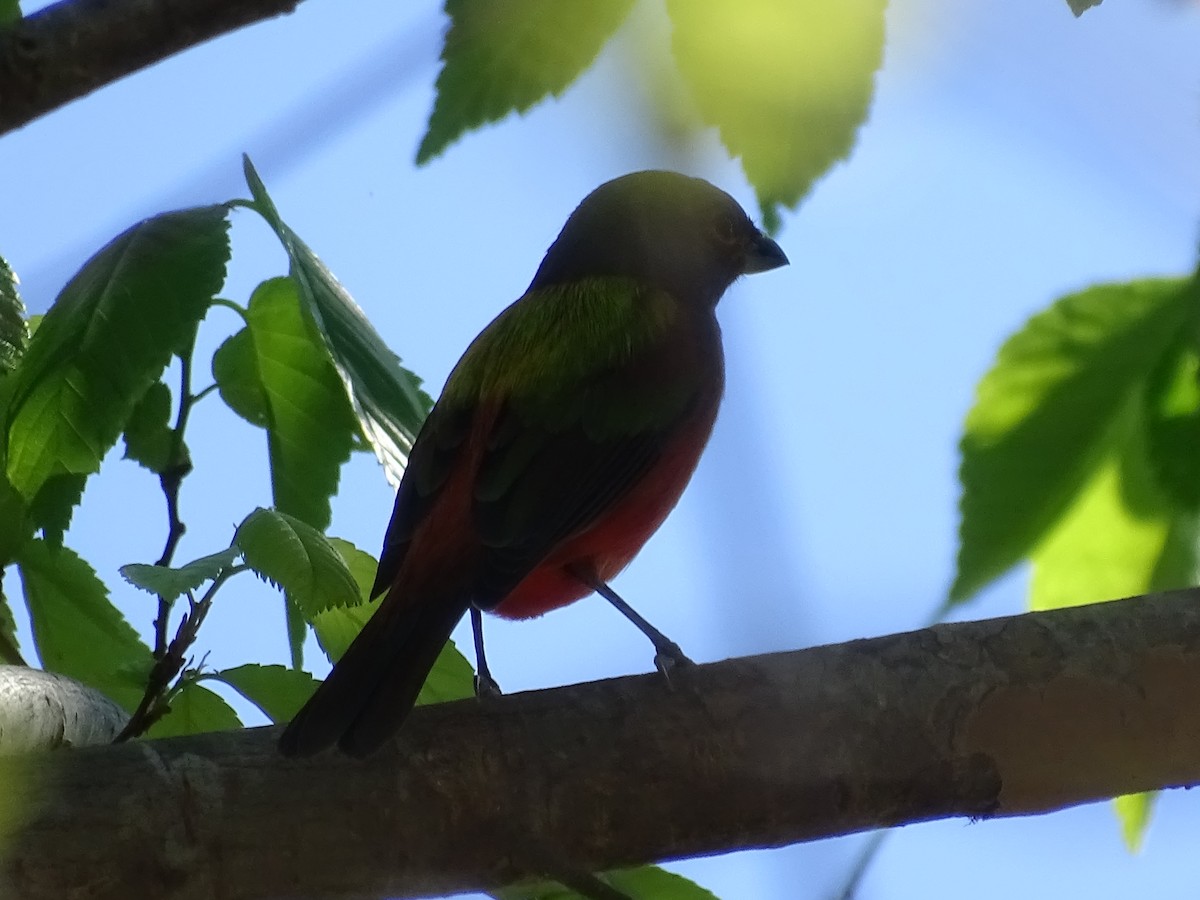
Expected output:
{"points": [[71, 48], [171, 664]]}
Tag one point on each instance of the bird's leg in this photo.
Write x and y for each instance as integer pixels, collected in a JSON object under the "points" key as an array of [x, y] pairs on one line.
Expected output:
{"points": [[485, 684], [667, 655]]}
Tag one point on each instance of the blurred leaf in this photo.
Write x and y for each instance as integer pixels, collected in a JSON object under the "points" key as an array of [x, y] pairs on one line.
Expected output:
{"points": [[1079, 7], [14, 333], [54, 505], [77, 631], [297, 558], [1173, 423], [786, 82], [641, 883], [1133, 811], [195, 710], [1120, 536], [310, 423], [169, 583], [1044, 416], [277, 690], [108, 337], [504, 56], [386, 398], [235, 370], [10, 11], [148, 436]]}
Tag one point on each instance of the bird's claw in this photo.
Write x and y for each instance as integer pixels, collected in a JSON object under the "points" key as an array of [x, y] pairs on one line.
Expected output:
{"points": [[486, 687], [670, 658]]}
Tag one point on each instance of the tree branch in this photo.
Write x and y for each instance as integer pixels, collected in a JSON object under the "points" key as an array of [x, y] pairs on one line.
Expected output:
{"points": [[73, 47], [998, 718]]}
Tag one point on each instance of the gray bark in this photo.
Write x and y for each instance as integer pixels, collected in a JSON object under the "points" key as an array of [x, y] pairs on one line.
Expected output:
{"points": [[1005, 717]]}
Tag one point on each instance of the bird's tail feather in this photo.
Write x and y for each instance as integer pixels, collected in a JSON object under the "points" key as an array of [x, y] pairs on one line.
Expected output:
{"points": [[376, 682]]}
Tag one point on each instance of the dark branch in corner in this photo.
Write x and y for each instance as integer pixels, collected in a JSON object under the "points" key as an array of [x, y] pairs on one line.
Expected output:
{"points": [[73, 47]]}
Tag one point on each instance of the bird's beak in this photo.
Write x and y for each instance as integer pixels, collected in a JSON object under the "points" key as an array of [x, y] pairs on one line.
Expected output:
{"points": [[762, 255]]}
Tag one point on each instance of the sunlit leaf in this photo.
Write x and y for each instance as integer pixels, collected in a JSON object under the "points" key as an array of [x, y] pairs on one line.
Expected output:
{"points": [[277, 690], [387, 399], [1133, 812], [641, 883], [107, 338], [1120, 537], [77, 630], [195, 710], [297, 558], [235, 370], [787, 83], [504, 56], [169, 583], [1044, 415], [310, 424], [148, 436]]}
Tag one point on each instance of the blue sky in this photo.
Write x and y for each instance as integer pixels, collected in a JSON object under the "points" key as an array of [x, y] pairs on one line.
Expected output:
{"points": [[1013, 153]]}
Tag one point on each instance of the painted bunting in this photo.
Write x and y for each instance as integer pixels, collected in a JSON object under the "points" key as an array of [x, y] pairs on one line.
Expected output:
{"points": [[563, 438]]}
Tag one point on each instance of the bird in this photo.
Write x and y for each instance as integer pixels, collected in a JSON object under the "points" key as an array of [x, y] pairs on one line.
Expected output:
{"points": [[562, 439]]}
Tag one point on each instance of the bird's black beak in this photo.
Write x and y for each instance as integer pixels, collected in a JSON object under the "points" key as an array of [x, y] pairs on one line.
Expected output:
{"points": [[762, 255]]}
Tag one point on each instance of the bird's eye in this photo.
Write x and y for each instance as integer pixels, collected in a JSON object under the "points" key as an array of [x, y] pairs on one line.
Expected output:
{"points": [[725, 229]]}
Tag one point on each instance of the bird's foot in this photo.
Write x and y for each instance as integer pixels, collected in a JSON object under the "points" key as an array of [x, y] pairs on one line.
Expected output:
{"points": [[670, 659], [486, 687]]}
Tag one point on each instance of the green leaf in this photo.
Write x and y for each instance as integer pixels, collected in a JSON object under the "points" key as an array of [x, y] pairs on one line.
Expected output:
{"points": [[77, 631], [1079, 7], [336, 628], [362, 566], [14, 333], [148, 436], [297, 558], [15, 527], [277, 690], [386, 398], [108, 337], [311, 428], [195, 710], [641, 883], [1044, 416], [51, 510], [235, 370], [787, 83], [10, 11], [10, 651], [297, 631], [1173, 423], [451, 677], [169, 583], [505, 55], [1133, 811], [1121, 536]]}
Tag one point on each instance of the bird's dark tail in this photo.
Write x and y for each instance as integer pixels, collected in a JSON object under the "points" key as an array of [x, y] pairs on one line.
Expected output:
{"points": [[373, 687]]}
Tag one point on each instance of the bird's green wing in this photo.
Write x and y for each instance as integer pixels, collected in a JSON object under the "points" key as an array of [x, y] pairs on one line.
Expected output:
{"points": [[591, 382]]}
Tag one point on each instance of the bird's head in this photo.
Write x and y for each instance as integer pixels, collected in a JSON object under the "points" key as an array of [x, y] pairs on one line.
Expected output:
{"points": [[678, 233]]}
